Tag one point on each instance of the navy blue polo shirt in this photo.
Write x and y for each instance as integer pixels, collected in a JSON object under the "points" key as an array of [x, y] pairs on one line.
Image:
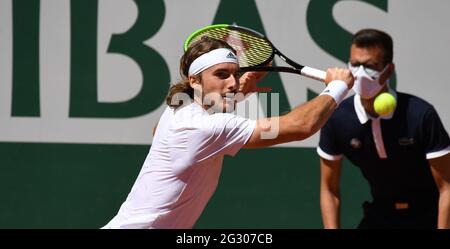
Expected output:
{"points": [[391, 151]]}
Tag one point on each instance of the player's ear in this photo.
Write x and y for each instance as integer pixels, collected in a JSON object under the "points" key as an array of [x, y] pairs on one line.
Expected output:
{"points": [[193, 81]]}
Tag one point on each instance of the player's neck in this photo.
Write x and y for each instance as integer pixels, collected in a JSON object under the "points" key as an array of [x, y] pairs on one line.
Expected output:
{"points": [[368, 103]]}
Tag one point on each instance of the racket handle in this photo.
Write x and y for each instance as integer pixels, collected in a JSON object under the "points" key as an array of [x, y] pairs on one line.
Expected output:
{"points": [[314, 73]]}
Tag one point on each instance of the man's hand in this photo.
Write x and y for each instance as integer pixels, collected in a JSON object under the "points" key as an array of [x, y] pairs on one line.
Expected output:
{"points": [[340, 74], [249, 80]]}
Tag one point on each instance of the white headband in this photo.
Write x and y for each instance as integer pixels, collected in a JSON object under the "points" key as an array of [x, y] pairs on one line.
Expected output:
{"points": [[212, 58]]}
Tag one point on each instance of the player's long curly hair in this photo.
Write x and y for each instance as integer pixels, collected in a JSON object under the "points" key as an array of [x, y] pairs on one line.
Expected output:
{"points": [[204, 45]]}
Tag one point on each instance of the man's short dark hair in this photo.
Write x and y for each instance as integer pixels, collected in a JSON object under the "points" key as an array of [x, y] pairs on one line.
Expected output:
{"points": [[367, 38]]}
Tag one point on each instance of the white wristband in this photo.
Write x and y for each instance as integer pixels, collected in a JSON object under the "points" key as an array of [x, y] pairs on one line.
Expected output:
{"points": [[337, 89]]}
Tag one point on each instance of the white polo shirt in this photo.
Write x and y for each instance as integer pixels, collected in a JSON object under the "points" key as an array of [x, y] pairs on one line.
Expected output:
{"points": [[182, 169]]}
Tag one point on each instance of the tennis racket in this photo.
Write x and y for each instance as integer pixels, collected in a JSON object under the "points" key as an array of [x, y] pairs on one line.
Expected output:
{"points": [[254, 50]]}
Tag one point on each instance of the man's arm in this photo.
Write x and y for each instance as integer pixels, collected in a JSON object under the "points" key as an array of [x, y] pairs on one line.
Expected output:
{"points": [[440, 167], [330, 174], [298, 124], [303, 121]]}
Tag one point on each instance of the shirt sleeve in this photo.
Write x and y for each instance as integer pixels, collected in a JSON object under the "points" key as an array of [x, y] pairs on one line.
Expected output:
{"points": [[435, 138], [328, 148], [224, 134]]}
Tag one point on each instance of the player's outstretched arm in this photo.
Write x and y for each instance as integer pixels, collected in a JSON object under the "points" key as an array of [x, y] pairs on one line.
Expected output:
{"points": [[306, 119]]}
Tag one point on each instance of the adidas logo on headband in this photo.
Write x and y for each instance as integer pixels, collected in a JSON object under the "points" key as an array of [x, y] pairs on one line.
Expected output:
{"points": [[231, 56]]}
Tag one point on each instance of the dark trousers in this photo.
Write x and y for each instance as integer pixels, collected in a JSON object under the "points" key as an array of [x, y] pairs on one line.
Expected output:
{"points": [[384, 215]]}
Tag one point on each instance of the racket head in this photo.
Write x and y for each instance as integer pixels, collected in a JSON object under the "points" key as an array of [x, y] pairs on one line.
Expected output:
{"points": [[253, 49]]}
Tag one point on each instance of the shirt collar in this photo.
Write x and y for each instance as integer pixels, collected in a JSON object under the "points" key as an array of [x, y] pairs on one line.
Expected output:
{"points": [[363, 116]]}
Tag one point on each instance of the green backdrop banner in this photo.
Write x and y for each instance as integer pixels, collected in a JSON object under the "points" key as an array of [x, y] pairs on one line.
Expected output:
{"points": [[83, 186]]}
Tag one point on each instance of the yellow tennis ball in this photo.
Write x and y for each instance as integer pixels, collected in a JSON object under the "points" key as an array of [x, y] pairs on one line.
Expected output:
{"points": [[384, 104]]}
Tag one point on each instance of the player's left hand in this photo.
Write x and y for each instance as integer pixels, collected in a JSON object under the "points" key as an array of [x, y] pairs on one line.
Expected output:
{"points": [[249, 80]]}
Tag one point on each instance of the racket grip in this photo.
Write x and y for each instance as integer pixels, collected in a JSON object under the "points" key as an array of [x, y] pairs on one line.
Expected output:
{"points": [[314, 73]]}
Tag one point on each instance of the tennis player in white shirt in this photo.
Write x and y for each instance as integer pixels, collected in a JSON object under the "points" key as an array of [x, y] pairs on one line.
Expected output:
{"points": [[182, 169]]}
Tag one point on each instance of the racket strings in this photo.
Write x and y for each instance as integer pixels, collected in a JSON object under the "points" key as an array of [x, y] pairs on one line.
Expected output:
{"points": [[251, 50]]}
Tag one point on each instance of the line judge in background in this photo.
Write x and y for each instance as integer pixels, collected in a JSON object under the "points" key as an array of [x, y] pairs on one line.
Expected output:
{"points": [[404, 155]]}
